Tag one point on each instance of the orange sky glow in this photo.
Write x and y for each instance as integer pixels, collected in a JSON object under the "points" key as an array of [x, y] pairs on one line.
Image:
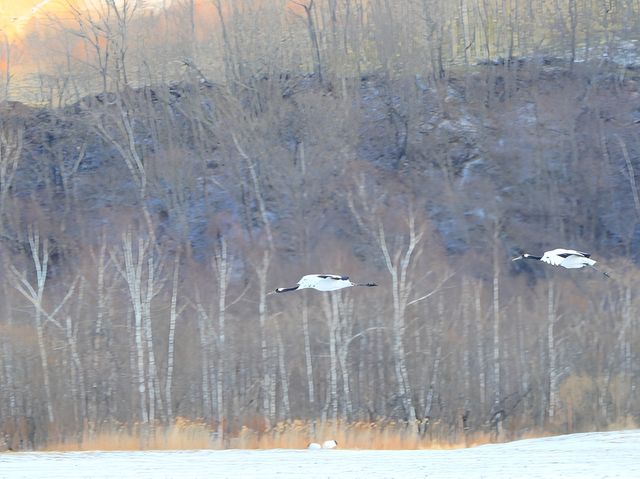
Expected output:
{"points": [[15, 15], [27, 41], [19, 18]]}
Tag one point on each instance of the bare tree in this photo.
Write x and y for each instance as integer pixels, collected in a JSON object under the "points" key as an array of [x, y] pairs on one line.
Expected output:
{"points": [[222, 266], [174, 313], [11, 139], [309, 13], [554, 372], [39, 249], [398, 259], [139, 268]]}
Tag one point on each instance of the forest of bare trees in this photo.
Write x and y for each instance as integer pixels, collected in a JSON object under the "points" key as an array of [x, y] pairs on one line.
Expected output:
{"points": [[164, 170]]}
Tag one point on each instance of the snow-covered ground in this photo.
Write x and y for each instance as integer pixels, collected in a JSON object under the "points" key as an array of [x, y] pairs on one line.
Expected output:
{"points": [[589, 455]]}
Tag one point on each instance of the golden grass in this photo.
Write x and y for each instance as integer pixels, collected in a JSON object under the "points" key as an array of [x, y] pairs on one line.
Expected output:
{"points": [[186, 434], [182, 434]]}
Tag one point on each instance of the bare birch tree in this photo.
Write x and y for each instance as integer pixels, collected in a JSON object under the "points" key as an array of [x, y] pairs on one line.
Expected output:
{"points": [[398, 261], [554, 373], [174, 313], [139, 268], [222, 266], [309, 13], [35, 293]]}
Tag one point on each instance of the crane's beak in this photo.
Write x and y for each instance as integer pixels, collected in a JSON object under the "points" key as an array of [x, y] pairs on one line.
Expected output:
{"points": [[519, 257]]}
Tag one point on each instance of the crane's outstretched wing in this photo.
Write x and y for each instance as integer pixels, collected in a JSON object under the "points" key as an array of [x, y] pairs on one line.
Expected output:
{"points": [[575, 253], [333, 276]]}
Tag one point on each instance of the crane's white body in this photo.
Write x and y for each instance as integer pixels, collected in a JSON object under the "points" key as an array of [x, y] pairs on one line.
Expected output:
{"points": [[330, 444], [567, 258], [323, 282]]}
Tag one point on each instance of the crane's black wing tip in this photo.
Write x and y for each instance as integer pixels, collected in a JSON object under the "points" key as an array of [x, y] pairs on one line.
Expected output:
{"points": [[333, 276]]}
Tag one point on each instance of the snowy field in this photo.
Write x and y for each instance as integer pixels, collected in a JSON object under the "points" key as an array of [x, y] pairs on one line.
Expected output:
{"points": [[589, 455]]}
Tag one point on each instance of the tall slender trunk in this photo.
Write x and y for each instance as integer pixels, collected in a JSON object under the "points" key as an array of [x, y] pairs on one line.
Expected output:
{"points": [[222, 266], [229, 60], [345, 309], [284, 375], [307, 353], [100, 259], [628, 353], [398, 269], [466, 344], [77, 377], [173, 316], [7, 354], [496, 335], [313, 37], [551, 351], [133, 261], [435, 370], [523, 350], [482, 375], [332, 314], [155, 398], [305, 300], [268, 369], [40, 257], [205, 341]]}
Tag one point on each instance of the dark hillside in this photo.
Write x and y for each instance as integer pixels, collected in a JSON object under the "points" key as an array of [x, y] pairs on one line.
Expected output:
{"points": [[506, 143]]}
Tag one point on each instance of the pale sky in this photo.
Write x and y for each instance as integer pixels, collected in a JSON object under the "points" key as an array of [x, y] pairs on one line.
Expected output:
{"points": [[15, 14]]}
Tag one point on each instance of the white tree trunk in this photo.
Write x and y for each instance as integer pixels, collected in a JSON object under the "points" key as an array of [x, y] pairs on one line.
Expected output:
{"points": [[466, 343], [284, 375], [551, 351], [7, 354], [155, 398], [330, 304], [269, 368], [100, 260], [435, 371], [482, 375], [497, 384], [222, 266], [173, 316], [78, 390], [398, 269], [205, 341], [523, 352], [307, 353], [133, 266], [40, 257], [344, 336]]}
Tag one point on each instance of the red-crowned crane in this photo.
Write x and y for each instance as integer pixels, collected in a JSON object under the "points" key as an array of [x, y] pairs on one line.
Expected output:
{"points": [[323, 282], [567, 258]]}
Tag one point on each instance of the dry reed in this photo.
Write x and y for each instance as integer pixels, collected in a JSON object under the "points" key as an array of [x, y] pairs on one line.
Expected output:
{"points": [[186, 434]]}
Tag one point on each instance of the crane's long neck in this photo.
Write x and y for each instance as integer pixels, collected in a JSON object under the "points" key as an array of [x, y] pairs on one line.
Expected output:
{"points": [[284, 290], [530, 256]]}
